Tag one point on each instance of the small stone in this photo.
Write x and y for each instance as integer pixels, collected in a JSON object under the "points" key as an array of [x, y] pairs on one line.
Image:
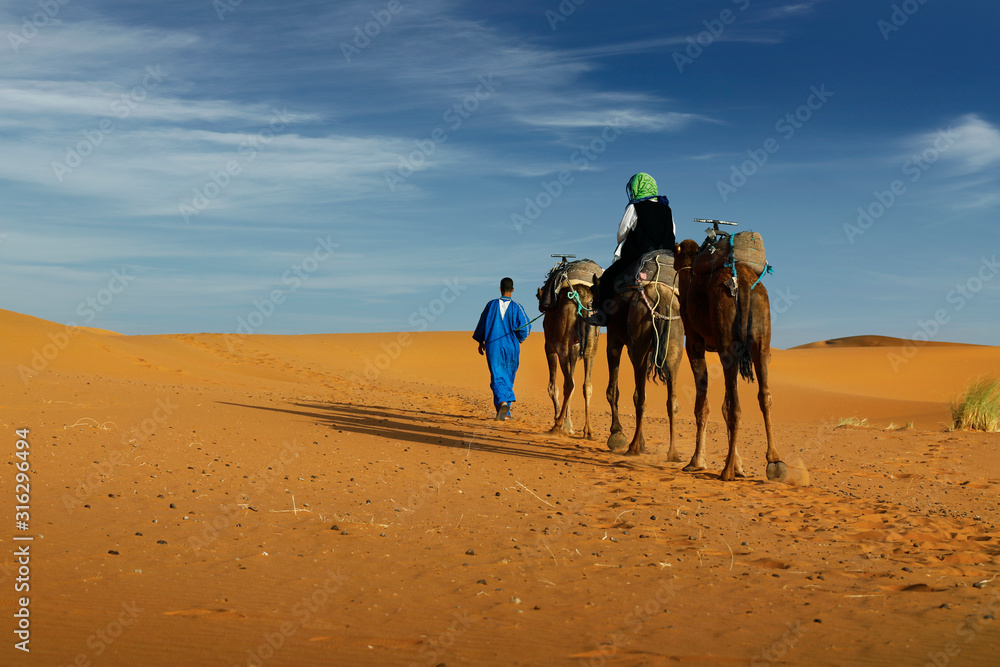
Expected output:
{"points": [[112, 552], [470, 552], [481, 581], [334, 527], [161, 541]]}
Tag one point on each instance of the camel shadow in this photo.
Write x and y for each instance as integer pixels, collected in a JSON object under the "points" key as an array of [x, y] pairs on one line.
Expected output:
{"points": [[459, 432]]}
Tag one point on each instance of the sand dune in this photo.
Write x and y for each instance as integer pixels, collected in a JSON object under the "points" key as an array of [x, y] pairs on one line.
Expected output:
{"points": [[871, 341], [207, 499]]}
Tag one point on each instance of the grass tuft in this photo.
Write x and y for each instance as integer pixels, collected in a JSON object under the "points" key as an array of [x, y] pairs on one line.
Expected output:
{"points": [[853, 421], [979, 408]]}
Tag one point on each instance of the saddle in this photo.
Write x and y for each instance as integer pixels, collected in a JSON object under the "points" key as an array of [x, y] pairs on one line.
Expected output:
{"points": [[567, 275], [746, 248], [656, 266]]}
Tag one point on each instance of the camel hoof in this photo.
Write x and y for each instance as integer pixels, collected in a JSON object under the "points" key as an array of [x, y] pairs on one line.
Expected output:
{"points": [[693, 468], [741, 474], [777, 471], [674, 457], [617, 442]]}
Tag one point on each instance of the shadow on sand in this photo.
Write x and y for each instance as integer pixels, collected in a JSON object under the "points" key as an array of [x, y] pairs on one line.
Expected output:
{"points": [[460, 432]]}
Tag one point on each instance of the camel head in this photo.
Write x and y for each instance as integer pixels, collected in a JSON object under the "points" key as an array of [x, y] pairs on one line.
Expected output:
{"points": [[684, 253]]}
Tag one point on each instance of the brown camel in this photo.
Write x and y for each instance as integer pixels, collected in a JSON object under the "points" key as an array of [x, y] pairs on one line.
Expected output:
{"points": [[565, 300], [736, 324], [645, 318]]}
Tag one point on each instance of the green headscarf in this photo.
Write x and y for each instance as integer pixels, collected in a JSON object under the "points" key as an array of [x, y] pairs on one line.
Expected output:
{"points": [[640, 186]]}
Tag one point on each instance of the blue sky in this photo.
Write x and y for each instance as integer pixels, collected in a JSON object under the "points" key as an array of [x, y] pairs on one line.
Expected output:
{"points": [[379, 166]]}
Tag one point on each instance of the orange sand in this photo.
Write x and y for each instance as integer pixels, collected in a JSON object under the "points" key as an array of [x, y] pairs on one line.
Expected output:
{"points": [[347, 499]]}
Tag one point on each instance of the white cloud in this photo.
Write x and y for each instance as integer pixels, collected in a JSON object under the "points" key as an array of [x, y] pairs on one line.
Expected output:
{"points": [[977, 143]]}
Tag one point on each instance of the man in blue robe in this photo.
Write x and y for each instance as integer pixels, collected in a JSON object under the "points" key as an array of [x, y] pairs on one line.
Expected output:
{"points": [[502, 328]]}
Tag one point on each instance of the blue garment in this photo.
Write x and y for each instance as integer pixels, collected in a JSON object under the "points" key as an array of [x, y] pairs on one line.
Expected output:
{"points": [[502, 334]]}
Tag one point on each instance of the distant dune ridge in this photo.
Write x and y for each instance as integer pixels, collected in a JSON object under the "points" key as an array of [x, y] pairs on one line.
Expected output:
{"points": [[871, 341]]}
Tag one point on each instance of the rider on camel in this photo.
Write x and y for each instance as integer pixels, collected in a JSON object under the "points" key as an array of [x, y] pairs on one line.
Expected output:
{"points": [[648, 224]]}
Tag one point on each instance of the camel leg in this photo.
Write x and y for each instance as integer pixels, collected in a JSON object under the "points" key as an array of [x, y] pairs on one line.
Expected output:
{"points": [[552, 356], [731, 411], [616, 441], [696, 356], [638, 444], [568, 362], [673, 362], [776, 469], [588, 386]]}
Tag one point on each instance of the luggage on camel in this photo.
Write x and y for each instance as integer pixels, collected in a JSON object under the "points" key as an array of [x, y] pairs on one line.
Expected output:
{"points": [[747, 248], [563, 275]]}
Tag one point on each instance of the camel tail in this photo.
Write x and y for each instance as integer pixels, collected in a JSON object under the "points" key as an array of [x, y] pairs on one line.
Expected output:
{"points": [[744, 329]]}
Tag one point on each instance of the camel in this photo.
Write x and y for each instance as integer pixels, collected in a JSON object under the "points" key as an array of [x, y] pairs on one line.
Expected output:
{"points": [[564, 300], [737, 324], [645, 319]]}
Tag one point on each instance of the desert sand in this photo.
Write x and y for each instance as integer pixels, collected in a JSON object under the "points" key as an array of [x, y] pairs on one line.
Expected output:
{"points": [[348, 500]]}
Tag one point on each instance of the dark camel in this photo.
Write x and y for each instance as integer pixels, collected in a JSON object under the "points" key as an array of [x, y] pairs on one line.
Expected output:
{"points": [[655, 346], [567, 338], [739, 329]]}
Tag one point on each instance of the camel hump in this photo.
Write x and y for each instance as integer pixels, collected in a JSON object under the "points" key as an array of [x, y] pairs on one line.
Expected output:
{"points": [[656, 266], [746, 248]]}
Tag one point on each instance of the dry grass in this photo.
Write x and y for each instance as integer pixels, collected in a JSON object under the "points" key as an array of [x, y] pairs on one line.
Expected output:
{"points": [[979, 407]]}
